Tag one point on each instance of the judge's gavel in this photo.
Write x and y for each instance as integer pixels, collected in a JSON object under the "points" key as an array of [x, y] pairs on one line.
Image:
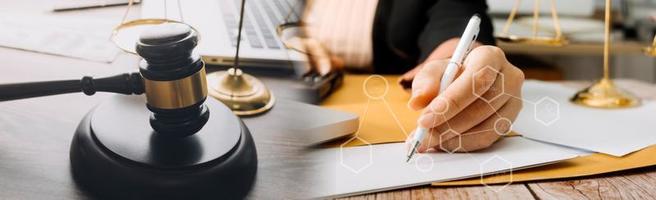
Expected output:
{"points": [[171, 76], [184, 153]]}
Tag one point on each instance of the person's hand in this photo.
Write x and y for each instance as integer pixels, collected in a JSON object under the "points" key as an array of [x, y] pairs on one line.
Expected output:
{"points": [[476, 109]]}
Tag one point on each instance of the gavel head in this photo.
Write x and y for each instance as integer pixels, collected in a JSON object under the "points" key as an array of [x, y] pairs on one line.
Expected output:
{"points": [[174, 79]]}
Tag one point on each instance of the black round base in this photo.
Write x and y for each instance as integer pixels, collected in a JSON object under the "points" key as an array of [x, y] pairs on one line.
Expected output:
{"points": [[115, 154]]}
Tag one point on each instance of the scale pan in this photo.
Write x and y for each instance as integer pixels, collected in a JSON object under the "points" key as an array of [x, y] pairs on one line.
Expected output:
{"points": [[544, 41]]}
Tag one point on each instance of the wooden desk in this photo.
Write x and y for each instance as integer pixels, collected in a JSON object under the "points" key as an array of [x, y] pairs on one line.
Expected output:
{"points": [[636, 184], [633, 184]]}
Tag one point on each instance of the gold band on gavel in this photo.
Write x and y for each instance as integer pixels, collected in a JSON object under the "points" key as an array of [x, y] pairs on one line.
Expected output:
{"points": [[177, 93]]}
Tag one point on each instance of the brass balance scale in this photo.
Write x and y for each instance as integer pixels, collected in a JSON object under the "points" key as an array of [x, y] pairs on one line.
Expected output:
{"points": [[602, 94]]}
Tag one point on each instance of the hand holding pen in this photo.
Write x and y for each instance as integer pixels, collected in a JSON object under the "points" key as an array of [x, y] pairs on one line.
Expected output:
{"points": [[468, 101]]}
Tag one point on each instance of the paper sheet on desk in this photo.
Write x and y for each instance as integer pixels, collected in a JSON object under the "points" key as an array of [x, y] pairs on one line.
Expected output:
{"points": [[36, 35], [356, 170], [549, 116]]}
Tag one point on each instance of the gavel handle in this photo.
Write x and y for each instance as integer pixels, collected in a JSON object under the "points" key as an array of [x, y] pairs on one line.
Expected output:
{"points": [[128, 83]]}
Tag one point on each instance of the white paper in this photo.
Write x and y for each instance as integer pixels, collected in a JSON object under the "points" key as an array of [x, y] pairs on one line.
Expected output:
{"points": [[43, 36], [365, 169], [549, 116]]}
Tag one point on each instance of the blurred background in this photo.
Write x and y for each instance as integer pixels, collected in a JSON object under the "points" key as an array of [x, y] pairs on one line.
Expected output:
{"points": [[633, 22]]}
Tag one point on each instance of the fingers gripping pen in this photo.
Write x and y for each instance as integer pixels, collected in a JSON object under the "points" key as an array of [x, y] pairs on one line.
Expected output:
{"points": [[465, 45]]}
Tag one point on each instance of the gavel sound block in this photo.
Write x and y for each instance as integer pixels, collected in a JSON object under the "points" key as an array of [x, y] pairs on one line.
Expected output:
{"points": [[180, 144]]}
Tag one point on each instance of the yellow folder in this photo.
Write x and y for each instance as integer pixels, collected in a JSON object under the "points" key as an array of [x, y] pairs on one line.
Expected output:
{"points": [[388, 119]]}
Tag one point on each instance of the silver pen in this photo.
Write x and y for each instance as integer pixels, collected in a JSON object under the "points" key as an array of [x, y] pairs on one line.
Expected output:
{"points": [[420, 132]]}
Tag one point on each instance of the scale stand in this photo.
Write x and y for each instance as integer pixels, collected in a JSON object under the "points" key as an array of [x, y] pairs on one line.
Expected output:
{"points": [[241, 92], [604, 93]]}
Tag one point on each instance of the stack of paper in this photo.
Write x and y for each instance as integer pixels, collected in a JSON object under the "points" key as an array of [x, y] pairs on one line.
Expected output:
{"points": [[356, 170]]}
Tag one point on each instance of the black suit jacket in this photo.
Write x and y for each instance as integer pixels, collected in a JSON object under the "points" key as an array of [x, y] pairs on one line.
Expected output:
{"points": [[405, 32]]}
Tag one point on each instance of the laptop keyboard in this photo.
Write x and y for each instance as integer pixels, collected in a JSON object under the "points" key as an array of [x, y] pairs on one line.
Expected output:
{"points": [[259, 33], [267, 33]]}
